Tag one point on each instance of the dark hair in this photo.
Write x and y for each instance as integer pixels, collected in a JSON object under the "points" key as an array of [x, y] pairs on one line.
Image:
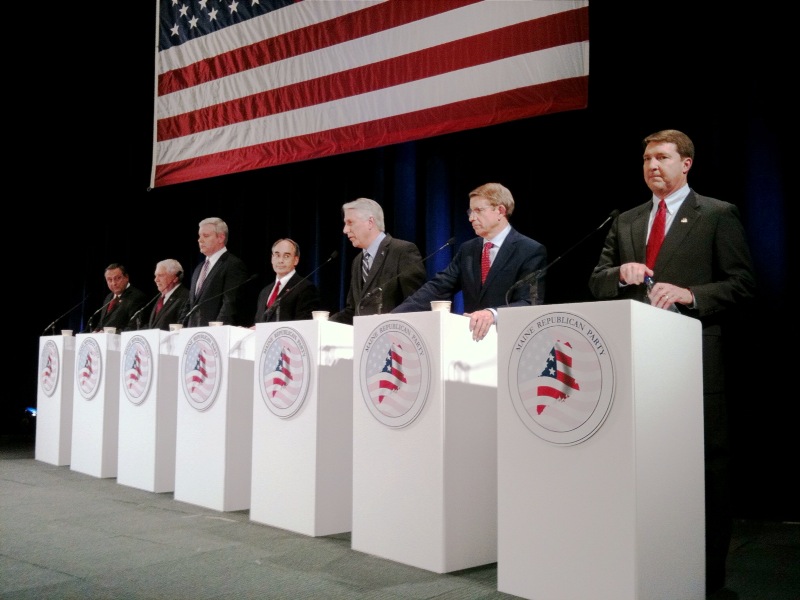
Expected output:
{"points": [[119, 266], [683, 144]]}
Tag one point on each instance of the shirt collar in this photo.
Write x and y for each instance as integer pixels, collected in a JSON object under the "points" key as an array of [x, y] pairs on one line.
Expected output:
{"points": [[500, 237], [212, 260], [285, 279], [373, 247], [674, 200]]}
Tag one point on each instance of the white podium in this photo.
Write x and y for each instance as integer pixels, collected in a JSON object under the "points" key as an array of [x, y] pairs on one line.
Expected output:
{"points": [[600, 453], [424, 441], [54, 399], [95, 409], [214, 436], [303, 427], [148, 394]]}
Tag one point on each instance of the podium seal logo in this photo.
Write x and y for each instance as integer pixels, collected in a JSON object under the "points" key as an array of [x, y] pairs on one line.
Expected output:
{"points": [[395, 373], [201, 371], [89, 366], [137, 369], [49, 367], [284, 372], [561, 378]]}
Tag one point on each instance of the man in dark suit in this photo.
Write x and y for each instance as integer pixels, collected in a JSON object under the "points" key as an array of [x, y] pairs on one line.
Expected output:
{"points": [[121, 303], [171, 305], [385, 272], [704, 268], [295, 297], [215, 291], [510, 256]]}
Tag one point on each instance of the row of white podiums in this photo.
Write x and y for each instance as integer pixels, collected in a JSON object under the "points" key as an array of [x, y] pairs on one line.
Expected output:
{"points": [[567, 446]]}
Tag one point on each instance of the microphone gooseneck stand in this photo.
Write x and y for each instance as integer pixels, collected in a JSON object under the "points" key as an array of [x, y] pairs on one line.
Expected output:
{"points": [[533, 278]]}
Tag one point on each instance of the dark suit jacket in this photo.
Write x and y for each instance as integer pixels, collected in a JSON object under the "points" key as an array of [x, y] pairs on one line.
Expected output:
{"points": [[131, 300], [397, 270], [518, 256], [172, 311], [220, 299], [706, 251], [295, 301]]}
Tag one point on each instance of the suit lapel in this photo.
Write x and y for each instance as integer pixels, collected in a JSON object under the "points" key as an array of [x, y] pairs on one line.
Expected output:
{"points": [[213, 272], [504, 254], [289, 285], [682, 224], [639, 232], [195, 276], [475, 265], [211, 275], [377, 263]]}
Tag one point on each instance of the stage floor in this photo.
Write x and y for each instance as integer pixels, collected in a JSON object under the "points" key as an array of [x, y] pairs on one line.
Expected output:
{"points": [[64, 534]]}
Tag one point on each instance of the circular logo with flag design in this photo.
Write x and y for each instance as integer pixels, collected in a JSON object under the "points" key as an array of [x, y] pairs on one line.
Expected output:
{"points": [[137, 369], [201, 371], [395, 373], [284, 372], [561, 378], [88, 368], [49, 367]]}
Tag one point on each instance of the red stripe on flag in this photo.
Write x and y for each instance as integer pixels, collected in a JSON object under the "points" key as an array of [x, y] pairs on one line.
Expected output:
{"points": [[530, 36], [368, 21], [552, 97]]}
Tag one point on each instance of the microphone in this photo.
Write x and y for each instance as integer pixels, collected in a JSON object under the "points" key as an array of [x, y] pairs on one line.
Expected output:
{"points": [[53, 324], [140, 311], [276, 306], [215, 296], [95, 313], [532, 278], [379, 290]]}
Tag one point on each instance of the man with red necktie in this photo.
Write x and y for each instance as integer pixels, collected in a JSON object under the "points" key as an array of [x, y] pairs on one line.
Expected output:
{"points": [[289, 297], [487, 267], [121, 303], [171, 305], [702, 266]]}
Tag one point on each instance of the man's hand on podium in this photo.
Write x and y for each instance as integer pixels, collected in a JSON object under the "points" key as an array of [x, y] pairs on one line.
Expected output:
{"points": [[479, 323]]}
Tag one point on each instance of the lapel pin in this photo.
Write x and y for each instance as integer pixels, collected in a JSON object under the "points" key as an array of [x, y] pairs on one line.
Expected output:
{"points": [[684, 220]]}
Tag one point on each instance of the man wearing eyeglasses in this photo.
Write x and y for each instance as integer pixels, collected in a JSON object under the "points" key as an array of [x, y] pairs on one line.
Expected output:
{"points": [[290, 297], [486, 268]]}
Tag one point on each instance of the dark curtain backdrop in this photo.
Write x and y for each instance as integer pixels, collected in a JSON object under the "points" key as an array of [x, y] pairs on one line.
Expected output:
{"points": [[721, 80]]}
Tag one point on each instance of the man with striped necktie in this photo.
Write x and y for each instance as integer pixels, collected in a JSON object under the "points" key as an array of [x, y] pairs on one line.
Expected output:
{"points": [[393, 270]]}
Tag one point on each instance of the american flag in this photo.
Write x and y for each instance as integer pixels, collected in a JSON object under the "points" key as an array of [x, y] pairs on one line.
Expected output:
{"points": [[556, 380], [133, 375], [87, 373], [391, 375], [283, 384], [243, 85], [200, 380], [48, 368], [394, 388]]}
